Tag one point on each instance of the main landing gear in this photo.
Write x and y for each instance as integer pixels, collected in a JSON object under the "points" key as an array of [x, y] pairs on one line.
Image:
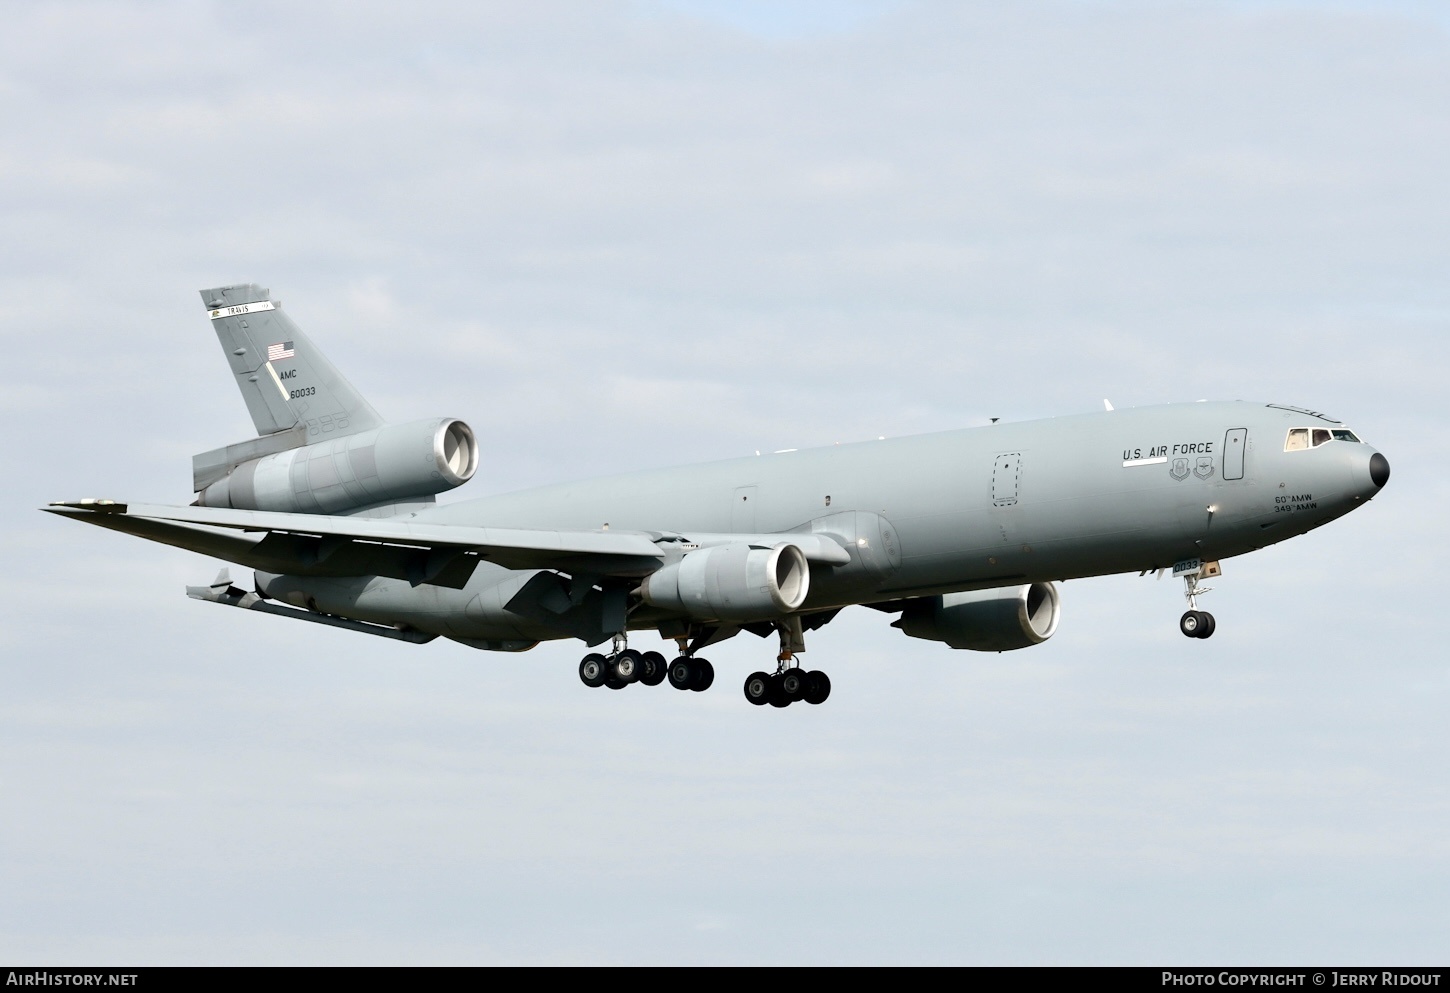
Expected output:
{"points": [[786, 686], [625, 665], [1195, 623], [789, 682]]}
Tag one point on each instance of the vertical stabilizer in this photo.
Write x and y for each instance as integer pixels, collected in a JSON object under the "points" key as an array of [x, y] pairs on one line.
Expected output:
{"points": [[283, 377]]}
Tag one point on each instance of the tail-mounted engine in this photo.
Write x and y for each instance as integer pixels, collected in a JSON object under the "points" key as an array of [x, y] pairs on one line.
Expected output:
{"points": [[998, 620], [735, 582], [396, 462]]}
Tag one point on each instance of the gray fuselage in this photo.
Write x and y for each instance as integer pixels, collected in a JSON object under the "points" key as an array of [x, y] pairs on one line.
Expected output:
{"points": [[1003, 505]]}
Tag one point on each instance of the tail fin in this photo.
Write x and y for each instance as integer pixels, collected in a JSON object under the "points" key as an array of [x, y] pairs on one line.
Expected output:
{"points": [[283, 377]]}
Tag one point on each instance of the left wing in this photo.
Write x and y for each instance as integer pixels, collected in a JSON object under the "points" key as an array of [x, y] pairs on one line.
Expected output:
{"points": [[316, 545], [440, 554]]}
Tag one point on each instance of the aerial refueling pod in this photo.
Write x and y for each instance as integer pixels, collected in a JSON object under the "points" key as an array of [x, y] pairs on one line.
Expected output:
{"points": [[735, 582], [391, 463], [998, 620]]}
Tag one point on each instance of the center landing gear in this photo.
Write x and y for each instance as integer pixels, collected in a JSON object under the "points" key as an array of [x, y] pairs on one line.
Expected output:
{"points": [[622, 667], [688, 673], [790, 682], [1195, 623]]}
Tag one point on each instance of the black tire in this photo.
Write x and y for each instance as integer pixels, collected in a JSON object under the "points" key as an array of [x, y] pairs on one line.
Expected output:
{"points": [[654, 669], [614, 682], [1191, 623], [757, 688], [793, 683], [704, 676], [593, 670], [628, 665], [682, 673], [1209, 625], [818, 686], [777, 692]]}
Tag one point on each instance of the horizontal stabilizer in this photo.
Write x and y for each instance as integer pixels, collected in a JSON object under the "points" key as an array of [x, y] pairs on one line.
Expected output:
{"points": [[208, 467]]}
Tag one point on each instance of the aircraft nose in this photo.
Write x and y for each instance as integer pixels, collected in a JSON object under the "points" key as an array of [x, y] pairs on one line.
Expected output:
{"points": [[1379, 470]]}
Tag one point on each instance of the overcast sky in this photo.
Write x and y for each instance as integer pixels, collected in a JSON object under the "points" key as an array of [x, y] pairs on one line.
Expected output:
{"points": [[614, 236]]}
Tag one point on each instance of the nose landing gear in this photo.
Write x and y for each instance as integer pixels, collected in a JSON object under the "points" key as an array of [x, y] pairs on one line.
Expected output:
{"points": [[1195, 623]]}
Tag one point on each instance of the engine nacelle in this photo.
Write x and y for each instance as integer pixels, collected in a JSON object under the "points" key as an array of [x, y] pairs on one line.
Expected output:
{"points": [[998, 620], [395, 462], [732, 583]]}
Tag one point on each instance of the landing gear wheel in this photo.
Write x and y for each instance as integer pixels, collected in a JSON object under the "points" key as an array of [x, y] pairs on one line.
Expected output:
{"points": [[704, 676], [593, 670], [653, 672], [778, 697], [1193, 623], [757, 688], [1209, 625], [682, 673], [628, 665], [818, 686], [793, 684], [614, 682]]}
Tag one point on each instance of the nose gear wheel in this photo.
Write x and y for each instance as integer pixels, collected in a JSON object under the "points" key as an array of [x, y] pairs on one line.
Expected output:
{"points": [[1195, 623]]}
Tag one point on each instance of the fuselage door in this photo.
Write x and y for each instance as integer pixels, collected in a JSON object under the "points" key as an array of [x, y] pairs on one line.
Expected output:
{"points": [[1233, 452], [742, 510]]}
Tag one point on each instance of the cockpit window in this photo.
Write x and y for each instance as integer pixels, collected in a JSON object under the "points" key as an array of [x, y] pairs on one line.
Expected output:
{"points": [[1302, 438]]}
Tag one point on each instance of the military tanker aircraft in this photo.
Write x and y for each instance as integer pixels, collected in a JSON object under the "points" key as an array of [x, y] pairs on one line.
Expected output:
{"points": [[963, 535]]}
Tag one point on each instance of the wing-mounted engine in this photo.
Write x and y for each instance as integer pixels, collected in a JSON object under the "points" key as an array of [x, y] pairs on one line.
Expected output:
{"points": [[998, 620], [396, 462], [734, 582]]}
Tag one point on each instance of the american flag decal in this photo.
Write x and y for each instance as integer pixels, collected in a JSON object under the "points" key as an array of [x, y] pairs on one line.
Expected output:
{"points": [[283, 350]]}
